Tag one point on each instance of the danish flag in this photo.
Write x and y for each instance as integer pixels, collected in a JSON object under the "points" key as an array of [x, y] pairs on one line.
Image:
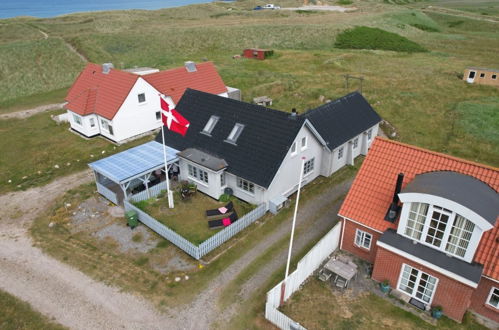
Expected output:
{"points": [[173, 120]]}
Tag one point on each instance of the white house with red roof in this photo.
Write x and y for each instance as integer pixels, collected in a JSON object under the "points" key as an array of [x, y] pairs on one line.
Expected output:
{"points": [[429, 224], [120, 104]]}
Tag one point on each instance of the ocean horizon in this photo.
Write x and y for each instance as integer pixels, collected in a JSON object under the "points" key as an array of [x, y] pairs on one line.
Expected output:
{"points": [[52, 8]]}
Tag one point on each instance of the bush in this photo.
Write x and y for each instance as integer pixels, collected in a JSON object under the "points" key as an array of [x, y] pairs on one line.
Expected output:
{"points": [[345, 2], [425, 28], [363, 37], [224, 198]]}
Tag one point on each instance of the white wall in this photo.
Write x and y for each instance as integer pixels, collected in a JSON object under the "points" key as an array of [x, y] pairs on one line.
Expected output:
{"points": [[85, 128], [134, 118], [212, 188]]}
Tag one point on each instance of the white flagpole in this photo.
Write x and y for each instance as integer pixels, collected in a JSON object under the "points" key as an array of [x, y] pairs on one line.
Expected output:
{"points": [[293, 229], [168, 194]]}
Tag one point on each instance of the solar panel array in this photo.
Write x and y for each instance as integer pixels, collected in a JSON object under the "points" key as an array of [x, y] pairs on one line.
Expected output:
{"points": [[134, 161]]}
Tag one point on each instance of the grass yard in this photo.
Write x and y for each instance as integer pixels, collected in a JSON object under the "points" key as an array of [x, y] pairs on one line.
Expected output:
{"points": [[188, 218], [315, 306], [19, 315], [37, 150]]}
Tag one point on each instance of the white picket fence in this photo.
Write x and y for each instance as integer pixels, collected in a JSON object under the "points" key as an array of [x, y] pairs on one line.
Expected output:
{"points": [[153, 192], [194, 251], [306, 266]]}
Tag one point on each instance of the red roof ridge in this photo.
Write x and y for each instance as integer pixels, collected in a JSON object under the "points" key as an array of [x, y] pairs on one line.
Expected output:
{"points": [[436, 153]]}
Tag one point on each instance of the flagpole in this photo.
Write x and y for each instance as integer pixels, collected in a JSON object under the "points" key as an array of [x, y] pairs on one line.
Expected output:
{"points": [[170, 198], [283, 288]]}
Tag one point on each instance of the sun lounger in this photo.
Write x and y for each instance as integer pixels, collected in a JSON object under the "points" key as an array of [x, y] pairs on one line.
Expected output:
{"points": [[214, 224], [221, 212]]}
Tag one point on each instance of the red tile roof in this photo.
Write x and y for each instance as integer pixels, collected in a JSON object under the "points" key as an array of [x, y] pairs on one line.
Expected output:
{"points": [[103, 94], [174, 82], [372, 190]]}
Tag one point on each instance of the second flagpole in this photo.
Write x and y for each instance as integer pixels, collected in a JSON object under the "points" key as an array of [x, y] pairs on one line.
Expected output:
{"points": [[168, 193]]}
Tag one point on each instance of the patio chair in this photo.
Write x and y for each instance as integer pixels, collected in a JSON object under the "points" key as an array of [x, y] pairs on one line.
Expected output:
{"points": [[216, 214], [340, 282], [225, 222]]}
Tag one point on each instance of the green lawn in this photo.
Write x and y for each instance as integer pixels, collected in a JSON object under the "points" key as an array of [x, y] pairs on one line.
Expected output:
{"points": [[316, 307], [32, 149], [18, 315], [188, 217]]}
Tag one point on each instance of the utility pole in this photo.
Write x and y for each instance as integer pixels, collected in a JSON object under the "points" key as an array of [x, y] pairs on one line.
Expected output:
{"points": [[347, 82]]}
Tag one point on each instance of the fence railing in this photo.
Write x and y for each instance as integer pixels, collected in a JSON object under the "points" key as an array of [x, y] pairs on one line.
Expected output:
{"points": [[106, 192], [194, 251], [153, 192], [306, 266]]}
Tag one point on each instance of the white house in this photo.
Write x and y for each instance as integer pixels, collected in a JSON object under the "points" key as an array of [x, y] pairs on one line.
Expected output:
{"points": [[120, 104], [255, 153]]}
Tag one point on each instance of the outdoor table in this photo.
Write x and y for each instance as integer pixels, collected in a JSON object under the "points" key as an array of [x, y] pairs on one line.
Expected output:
{"points": [[341, 269]]}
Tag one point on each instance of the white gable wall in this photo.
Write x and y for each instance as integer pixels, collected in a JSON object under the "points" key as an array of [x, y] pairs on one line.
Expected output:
{"points": [[134, 118]]}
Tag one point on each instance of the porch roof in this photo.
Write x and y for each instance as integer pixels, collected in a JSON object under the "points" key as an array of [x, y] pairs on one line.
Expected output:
{"points": [[134, 162]]}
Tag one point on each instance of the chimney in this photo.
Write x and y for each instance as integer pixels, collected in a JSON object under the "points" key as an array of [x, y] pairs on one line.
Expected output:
{"points": [[293, 112], [393, 210], [190, 66], [106, 67]]}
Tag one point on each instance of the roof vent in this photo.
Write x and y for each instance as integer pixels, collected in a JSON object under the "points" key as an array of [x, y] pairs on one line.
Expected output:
{"points": [[293, 114], [106, 67], [190, 66], [394, 209]]}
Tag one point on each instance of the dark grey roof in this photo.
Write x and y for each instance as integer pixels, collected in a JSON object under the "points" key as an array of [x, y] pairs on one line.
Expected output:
{"points": [[340, 120], [203, 158], [471, 272], [259, 150], [460, 188]]}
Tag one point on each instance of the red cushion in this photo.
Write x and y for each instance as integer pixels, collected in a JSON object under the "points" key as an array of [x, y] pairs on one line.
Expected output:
{"points": [[226, 222]]}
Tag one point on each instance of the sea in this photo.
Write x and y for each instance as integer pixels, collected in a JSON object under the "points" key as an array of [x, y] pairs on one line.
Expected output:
{"points": [[51, 8]]}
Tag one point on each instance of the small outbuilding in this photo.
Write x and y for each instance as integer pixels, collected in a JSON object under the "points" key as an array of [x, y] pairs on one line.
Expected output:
{"points": [[481, 76], [257, 53]]}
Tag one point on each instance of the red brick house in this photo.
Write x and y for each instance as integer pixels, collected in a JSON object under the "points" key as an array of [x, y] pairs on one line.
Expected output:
{"points": [[429, 224]]}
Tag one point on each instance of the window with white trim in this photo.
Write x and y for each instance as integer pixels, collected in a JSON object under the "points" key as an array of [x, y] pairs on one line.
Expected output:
{"points": [[245, 185], [369, 135], [107, 126], [293, 149], [308, 167], [197, 173], [494, 76], [210, 125], [355, 143], [363, 239], [417, 284], [416, 220], [493, 299], [303, 143], [222, 180], [77, 119], [235, 133], [141, 97], [92, 122], [460, 236], [340, 153]]}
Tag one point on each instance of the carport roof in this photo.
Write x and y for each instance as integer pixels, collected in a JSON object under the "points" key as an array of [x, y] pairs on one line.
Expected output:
{"points": [[134, 162]]}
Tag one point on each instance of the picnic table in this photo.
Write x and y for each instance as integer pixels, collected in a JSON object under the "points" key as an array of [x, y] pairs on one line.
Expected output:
{"points": [[343, 271]]}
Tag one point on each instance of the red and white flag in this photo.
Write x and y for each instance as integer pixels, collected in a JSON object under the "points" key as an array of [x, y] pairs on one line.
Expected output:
{"points": [[173, 120]]}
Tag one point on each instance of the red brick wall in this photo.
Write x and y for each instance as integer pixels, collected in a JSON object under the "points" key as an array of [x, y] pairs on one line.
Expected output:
{"points": [[453, 296], [348, 241], [479, 299]]}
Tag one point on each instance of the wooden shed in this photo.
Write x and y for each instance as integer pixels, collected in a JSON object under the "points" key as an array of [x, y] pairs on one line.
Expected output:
{"points": [[481, 76], [257, 53]]}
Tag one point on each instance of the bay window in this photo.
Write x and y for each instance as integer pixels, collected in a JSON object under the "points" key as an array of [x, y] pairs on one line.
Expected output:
{"points": [[197, 173]]}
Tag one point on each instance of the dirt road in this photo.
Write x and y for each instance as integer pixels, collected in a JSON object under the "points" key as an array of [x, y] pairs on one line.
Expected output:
{"points": [[79, 302]]}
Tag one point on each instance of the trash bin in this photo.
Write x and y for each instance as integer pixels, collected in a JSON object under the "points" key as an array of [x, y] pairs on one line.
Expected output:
{"points": [[132, 219]]}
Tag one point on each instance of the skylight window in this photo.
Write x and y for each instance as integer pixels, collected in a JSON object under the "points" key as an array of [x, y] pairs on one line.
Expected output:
{"points": [[210, 125], [235, 133]]}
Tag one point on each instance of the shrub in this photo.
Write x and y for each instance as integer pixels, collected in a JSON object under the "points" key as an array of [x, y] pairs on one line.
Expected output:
{"points": [[224, 198], [363, 37], [425, 28], [345, 2]]}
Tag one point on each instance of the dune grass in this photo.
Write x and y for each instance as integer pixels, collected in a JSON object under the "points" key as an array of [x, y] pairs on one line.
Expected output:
{"points": [[19, 315]]}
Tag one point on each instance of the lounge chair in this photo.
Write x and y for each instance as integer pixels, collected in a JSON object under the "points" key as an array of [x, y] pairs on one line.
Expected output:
{"points": [[214, 224], [216, 214]]}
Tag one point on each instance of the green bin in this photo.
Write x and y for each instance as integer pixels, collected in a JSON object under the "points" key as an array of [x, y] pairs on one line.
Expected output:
{"points": [[132, 219]]}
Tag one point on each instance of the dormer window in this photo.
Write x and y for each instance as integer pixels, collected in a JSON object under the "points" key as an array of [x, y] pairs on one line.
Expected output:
{"points": [[210, 125], [235, 133]]}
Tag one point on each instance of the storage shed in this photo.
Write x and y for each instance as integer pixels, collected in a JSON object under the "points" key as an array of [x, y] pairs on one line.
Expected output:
{"points": [[482, 76], [257, 53]]}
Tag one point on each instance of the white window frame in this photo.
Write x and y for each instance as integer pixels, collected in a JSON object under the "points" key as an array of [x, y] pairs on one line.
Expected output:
{"points": [[197, 174], [340, 152], [369, 134], [416, 284], [293, 149], [356, 143], [489, 297], [304, 143], [235, 133], [308, 167], [210, 125], [361, 237], [138, 98], [92, 122], [107, 126], [77, 119], [250, 186]]}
